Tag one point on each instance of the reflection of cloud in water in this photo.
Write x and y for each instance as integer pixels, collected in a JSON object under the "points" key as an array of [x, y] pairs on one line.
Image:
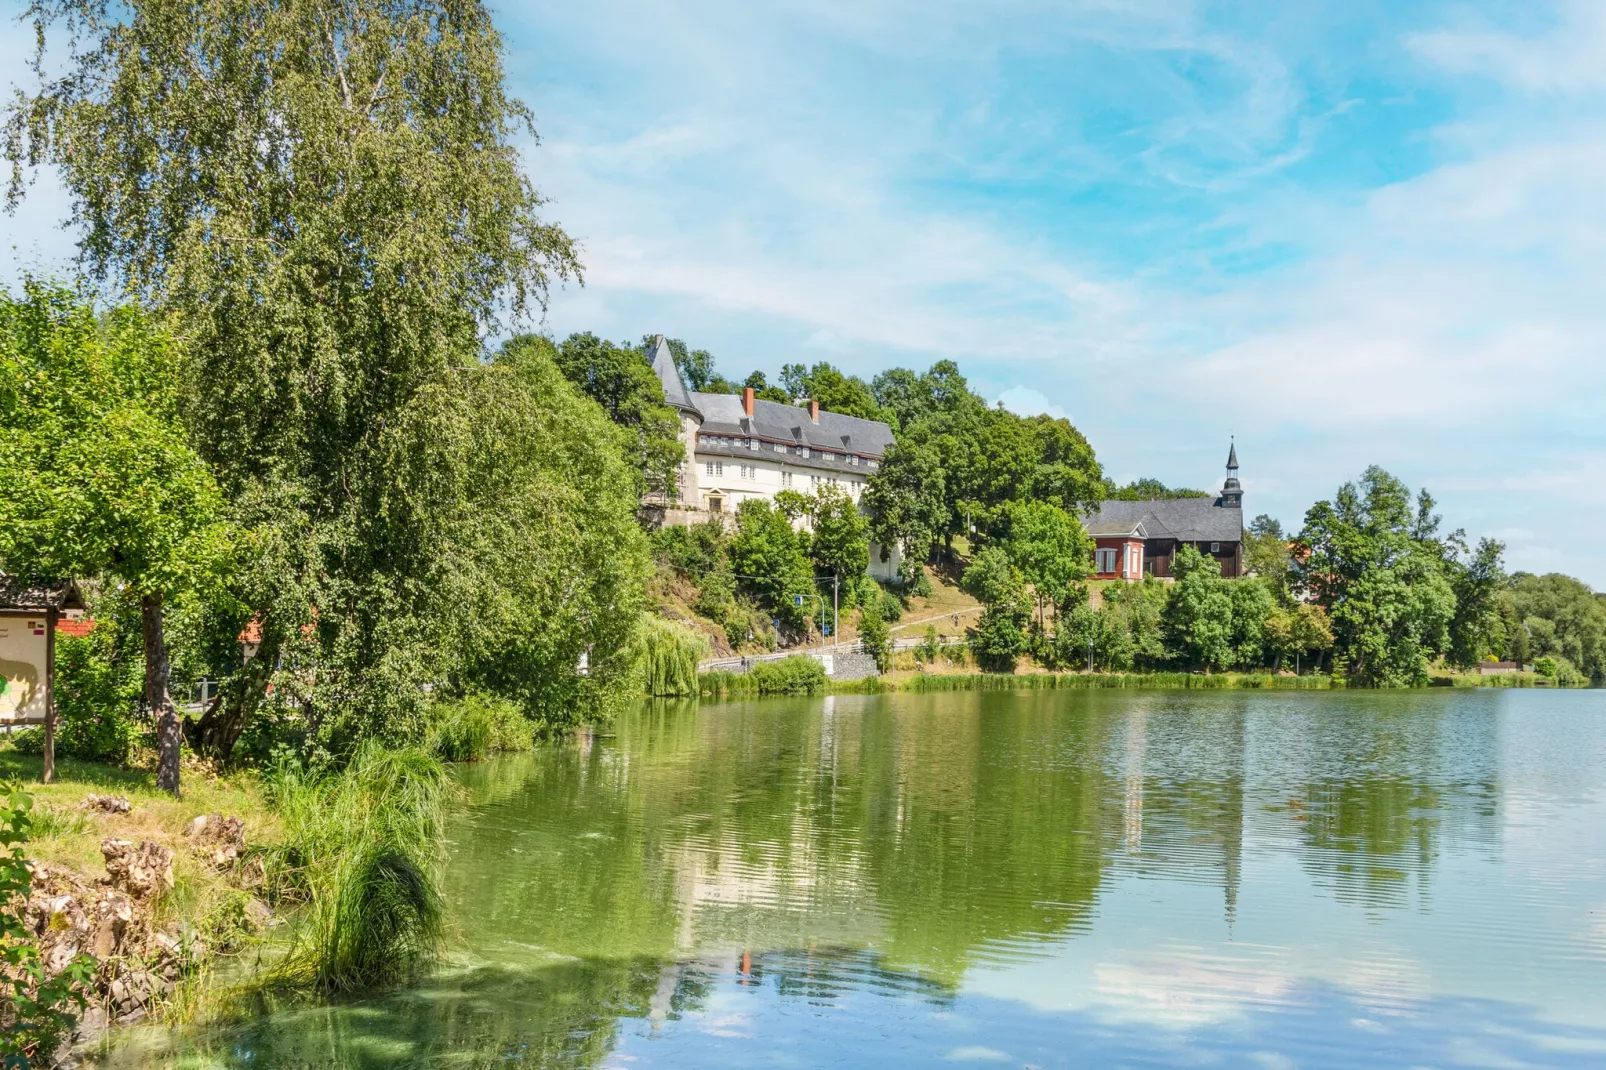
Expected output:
{"points": [[1182, 987]]}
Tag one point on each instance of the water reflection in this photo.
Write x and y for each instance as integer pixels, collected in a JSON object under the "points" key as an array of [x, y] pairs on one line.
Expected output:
{"points": [[1032, 878]]}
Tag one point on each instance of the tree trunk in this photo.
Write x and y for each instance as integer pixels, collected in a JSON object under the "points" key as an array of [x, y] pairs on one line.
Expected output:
{"points": [[48, 773], [157, 673]]}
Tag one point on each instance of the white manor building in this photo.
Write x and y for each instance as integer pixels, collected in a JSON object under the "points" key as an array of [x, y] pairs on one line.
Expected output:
{"points": [[739, 447]]}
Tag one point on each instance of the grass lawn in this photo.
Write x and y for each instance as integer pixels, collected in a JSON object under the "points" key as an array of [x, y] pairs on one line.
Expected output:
{"points": [[67, 835]]}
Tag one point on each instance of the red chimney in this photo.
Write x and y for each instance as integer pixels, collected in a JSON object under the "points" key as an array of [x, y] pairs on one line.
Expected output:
{"points": [[814, 410], [747, 400]]}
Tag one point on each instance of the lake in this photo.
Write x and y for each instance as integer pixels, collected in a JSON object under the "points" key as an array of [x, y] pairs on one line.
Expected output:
{"points": [[1031, 879]]}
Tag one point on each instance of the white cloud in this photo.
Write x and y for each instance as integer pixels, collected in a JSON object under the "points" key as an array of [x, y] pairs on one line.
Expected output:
{"points": [[1568, 57], [1026, 401]]}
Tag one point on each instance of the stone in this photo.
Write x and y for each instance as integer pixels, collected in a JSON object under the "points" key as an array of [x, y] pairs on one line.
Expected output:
{"points": [[143, 872], [106, 804], [258, 914], [217, 839]]}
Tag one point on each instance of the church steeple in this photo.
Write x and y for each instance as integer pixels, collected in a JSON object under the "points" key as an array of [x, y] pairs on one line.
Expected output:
{"points": [[1232, 492]]}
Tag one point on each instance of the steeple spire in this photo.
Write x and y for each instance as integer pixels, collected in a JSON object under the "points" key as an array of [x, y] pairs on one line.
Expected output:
{"points": [[1232, 492]]}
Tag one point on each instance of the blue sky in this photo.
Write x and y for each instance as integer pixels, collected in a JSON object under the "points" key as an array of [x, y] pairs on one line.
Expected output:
{"points": [[1345, 233]]}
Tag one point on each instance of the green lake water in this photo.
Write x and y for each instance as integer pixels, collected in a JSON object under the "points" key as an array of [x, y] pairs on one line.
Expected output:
{"points": [[1032, 879]]}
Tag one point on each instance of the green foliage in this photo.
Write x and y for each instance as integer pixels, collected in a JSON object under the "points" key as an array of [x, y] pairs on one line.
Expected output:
{"points": [[1297, 631], [1151, 490], [620, 379], [840, 541], [1373, 563], [957, 462], [696, 366], [38, 1009], [669, 653], [1476, 579], [770, 560], [1199, 617], [998, 638], [474, 727], [836, 392], [1267, 557], [1554, 615], [333, 217], [99, 680], [360, 848], [1252, 604], [1048, 546], [796, 675], [874, 634]]}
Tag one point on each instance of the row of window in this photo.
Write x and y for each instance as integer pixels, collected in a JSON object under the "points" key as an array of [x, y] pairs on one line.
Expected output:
{"points": [[781, 447], [1104, 560]]}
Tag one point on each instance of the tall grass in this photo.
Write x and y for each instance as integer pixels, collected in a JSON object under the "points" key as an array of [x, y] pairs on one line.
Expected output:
{"points": [[360, 849], [668, 654], [1099, 681], [796, 675], [475, 727]]}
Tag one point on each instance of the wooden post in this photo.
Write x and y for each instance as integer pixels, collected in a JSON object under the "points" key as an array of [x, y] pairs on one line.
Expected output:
{"points": [[49, 774]]}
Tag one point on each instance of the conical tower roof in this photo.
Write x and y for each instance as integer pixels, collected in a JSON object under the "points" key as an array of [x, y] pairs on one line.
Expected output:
{"points": [[1232, 455], [663, 365]]}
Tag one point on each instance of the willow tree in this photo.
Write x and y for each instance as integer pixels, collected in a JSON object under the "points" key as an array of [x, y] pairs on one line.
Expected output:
{"points": [[327, 196]]}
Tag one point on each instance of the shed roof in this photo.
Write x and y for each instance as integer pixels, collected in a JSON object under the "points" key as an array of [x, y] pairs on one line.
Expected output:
{"points": [[1185, 519], [38, 597]]}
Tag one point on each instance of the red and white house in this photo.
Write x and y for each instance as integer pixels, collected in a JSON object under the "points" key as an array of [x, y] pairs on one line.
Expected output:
{"points": [[1134, 539]]}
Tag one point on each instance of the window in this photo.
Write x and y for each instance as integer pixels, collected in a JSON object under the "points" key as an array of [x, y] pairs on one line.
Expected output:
{"points": [[749, 471], [1134, 560], [780, 447], [829, 456], [1106, 560], [803, 450], [716, 468], [1215, 547], [716, 504], [786, 479], [854, 460], [874, 464], [752, 443]]}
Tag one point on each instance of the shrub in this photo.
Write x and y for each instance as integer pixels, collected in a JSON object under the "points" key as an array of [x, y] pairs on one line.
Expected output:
{"points": [[1559, 669], [669, 653], [97, 699], [891, 607], [360, 848], [471, 728], [922, 585], [875, 636], [796, 675]]}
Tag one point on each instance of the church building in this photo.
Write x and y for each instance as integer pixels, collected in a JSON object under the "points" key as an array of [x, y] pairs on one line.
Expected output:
{"points": [[740, 447], [1134, 539]]}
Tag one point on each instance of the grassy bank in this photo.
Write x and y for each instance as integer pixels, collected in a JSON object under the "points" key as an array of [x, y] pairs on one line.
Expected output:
{"points": [[754, 684]]}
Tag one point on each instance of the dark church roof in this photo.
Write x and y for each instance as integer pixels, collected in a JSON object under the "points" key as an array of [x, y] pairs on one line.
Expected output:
{"points": [[675, 392], [1184, 519]]}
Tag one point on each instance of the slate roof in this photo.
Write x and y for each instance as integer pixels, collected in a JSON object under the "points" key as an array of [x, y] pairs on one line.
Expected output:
{"points": [[1185, 519], [675, 392], [774, 422]]}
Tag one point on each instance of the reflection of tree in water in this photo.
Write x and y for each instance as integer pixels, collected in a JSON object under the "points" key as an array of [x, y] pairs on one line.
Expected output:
{"points": [[564, 1015], [1383, 793]]}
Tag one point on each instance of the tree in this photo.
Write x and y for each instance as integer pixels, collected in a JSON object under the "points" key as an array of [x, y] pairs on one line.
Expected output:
{"points": [[840, 543], [763, 391], [1151, 490], [1266, 555], [99, 476], [1252, 606], [1049, 547], [1300, 630], [836, 392], [874, 634], [1375, 565], [769, 560], [620, 380], [330, 203], [1559, 616], [696, 365], [1199, 617], [998, 638], [908, 503], [1476, 578]]}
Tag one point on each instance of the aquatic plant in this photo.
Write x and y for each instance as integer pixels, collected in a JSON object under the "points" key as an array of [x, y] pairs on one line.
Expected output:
{"points": [[360, 848], [796, 675], [668, 654]]}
